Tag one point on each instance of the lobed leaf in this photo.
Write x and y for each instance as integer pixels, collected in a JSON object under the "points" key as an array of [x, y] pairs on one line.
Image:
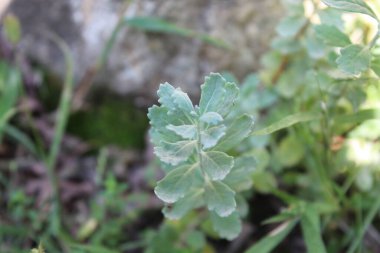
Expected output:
{"points": [[354, 59], [184, 205], [185, 131], [189, 141], [332, 36], [236, 133], [176, 184], [239, 179], [217, 164], [228, 227], [175, 153], [217, 95], [358, 6], [220, 198]]}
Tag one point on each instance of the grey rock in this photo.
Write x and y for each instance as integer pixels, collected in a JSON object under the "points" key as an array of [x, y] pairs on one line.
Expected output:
{"points": [[140, 61]]}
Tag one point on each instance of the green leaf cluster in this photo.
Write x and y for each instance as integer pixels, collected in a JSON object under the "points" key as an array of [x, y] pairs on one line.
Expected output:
{"points": [[192, 143], [354, 59]]}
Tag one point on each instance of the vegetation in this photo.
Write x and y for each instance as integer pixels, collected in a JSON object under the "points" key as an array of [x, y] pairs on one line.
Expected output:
{"points": [[286, 161]]}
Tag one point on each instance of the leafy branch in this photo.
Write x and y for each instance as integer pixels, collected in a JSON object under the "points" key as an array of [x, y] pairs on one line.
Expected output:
{"points": [[191, 142]]}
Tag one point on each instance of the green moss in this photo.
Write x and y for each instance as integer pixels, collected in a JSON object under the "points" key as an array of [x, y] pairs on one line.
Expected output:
{"points": [[113, 121]]}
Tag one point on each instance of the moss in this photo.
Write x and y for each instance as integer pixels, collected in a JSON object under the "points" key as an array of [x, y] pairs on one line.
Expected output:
{"points": [[112, 121]]}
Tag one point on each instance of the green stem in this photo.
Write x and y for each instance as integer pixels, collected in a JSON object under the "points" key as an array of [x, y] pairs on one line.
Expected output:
{"points": [[374, 40], [61, 122], [367, 221], [199, 150]]}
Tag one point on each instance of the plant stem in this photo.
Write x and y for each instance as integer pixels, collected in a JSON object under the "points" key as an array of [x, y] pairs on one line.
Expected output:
{"points": [[61, 122], [367, 221]]}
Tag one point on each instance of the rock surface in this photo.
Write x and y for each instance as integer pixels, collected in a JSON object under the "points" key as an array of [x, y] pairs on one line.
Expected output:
{"points": [[139, 61]]}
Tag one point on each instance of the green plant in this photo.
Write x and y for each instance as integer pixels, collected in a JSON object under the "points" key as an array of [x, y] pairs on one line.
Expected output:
{"points": [[314, 75], [192, 142]]}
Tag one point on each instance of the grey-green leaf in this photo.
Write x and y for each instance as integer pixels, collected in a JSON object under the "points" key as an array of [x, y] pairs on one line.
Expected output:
{"points": [[211, 118], [358, 6], [332, 36], [211, 136], [182, 100], [227, 227], [176, 183], [217, 164], [185, 131], [240, 177], [236, 133], [220, 198], [354, 59], [175, 153], [218, 95], [184, 205], [165, 95]]}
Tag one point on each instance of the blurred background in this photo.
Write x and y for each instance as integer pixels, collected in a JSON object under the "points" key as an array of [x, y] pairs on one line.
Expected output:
{"points": [[77, 170]]}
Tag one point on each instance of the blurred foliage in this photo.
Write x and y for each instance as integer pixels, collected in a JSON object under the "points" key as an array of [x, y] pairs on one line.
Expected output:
{"points": [[316, 144]]}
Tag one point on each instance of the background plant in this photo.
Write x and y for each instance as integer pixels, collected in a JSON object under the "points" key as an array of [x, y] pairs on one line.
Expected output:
{"points": [[303, 179], [319, 158]]}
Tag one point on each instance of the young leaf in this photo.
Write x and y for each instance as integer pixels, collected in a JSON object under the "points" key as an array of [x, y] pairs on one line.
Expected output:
{"points": [[217, 95], [354, 59], [190, 140], [220, 198], [185, 131], [175, 153], [184, 205], [358, 6], [176, 184], [239, 179], [236, 132], [311, 231], [228, 227], [217, 164], [211, 136], [332, 36]]}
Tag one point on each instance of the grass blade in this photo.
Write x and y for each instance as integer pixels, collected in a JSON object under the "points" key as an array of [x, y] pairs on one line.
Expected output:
{"points": [[287, 122], [61, 122], [21, 137], [358, 117], [367, 221], [9, 88], [154, 24], [271, 241], [310, 225]]}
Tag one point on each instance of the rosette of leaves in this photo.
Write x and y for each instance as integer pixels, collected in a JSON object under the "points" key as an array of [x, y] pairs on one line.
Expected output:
{"points": [[192, 144]]}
